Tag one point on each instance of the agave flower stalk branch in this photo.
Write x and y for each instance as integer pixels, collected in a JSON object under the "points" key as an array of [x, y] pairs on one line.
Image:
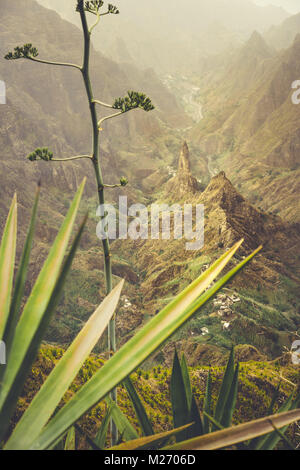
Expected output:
{"points": [[48, 62], [109, 117], [77, 157], [103, 104], [112, 186], [28, 51], [95, 24]]}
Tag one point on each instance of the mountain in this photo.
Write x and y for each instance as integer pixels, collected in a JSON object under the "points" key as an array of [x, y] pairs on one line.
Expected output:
{"points": [[233, 14], [261, 306], [289, 5], [158, 34], [283, 35], [251, 128]]}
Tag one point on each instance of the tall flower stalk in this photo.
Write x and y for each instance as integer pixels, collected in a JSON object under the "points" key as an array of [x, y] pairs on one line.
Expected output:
{"points": [[132, 101]]}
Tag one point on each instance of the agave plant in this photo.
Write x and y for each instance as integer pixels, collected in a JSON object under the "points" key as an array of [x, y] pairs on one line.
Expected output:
{"points": [[22, 334], [42, 426], [191, 428]]}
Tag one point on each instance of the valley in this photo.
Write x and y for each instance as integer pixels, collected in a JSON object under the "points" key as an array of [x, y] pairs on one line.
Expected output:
{"points": [[188, 93]]}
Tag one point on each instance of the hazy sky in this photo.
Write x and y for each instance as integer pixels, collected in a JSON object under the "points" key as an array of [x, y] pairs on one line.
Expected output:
{"points": [[292, 6]]}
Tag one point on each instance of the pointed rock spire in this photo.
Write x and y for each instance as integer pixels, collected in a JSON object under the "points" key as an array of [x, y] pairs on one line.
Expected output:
{"points": [[184, 159], [184, 182]]}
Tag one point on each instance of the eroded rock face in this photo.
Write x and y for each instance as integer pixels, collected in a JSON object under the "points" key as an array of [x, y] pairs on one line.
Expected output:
{"points": [[184, 182]]}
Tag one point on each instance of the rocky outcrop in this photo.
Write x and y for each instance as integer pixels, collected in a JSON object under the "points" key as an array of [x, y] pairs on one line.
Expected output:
{"points": [[184, 160], [183, 183]]}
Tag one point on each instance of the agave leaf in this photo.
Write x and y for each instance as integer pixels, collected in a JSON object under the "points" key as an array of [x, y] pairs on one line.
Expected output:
{"points": [[61, 377], [138, 348], [236, 434], [209, 293], [7, 263], [100, 438], [255, 443], [258, 443], [225, 388], [186, 381], [179, 399], [123, 425], [283, 437], [86, 436], [272, 440], [139, 408], [231, 400], [11, 400], [213, 421], [20, 279], [39, 299], [274, 399], [59, 444], [149, 442], [70, 443], [197, 428], [207, 408]]}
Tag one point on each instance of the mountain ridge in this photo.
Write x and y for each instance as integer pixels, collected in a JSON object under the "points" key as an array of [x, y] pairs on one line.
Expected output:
{"points": [[167, 267], [251, 129], [161, 44]]}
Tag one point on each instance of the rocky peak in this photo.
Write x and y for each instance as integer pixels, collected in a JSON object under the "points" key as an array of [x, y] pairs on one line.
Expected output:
{"points": [[257, 45], [184, 183], [184, 159], [221, 190]]}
